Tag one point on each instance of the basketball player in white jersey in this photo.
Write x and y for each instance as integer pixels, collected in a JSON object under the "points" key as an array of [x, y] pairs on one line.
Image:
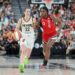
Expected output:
{"points": [[27, 24]]}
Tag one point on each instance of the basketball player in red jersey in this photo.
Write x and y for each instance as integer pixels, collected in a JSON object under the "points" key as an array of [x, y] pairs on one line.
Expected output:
{"points": [[49, 32]]}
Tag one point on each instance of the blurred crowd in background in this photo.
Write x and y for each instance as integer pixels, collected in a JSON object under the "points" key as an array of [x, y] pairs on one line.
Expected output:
{"points": [[8, 23]]}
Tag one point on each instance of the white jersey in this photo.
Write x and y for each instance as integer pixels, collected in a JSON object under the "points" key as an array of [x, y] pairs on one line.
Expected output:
{"points": [[27, 34], [27, 27]]}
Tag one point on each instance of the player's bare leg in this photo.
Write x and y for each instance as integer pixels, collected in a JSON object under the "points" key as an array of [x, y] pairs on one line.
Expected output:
{"points": [[27, 56], [47, 51], [44, 48], [22, 55], [28, 52]]}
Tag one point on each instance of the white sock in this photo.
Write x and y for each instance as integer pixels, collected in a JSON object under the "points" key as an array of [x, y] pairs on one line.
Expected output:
{"points": [[25, 57]]}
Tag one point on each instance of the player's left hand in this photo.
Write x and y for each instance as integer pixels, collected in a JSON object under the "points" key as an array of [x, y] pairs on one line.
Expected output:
{"points": [[23, 40]]}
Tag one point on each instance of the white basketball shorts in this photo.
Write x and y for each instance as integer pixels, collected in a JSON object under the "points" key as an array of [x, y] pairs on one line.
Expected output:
{"points": [[27, 40]]}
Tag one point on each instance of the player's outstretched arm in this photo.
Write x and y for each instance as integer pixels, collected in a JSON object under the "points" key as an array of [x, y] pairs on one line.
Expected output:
{"points": [[56, 21], [19, 24]]}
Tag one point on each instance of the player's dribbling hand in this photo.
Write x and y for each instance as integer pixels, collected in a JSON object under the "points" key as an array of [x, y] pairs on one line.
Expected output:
{"points": [[23, 40]]}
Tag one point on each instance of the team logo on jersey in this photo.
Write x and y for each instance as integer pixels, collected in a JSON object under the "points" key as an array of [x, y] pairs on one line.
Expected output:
{"points": [[43, 23]]}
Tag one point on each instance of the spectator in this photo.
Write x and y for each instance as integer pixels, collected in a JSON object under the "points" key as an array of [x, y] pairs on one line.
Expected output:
{"points": [[61, 10]]}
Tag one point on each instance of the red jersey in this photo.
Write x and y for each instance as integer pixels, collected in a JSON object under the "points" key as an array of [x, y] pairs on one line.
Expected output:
{"points": [[49, 28]]}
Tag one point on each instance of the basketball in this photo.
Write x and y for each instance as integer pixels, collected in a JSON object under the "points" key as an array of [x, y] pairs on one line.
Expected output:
{"points": [[17, 35]]}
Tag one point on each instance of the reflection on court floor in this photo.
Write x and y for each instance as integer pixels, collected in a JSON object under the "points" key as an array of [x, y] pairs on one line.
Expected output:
{"points": [[9, 66]]}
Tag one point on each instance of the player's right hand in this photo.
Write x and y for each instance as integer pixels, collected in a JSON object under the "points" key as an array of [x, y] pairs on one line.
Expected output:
{"points": [[23, 40]]}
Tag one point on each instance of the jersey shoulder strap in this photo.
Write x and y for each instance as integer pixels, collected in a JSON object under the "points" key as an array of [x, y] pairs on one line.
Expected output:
{"points": [[21, 24]]}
